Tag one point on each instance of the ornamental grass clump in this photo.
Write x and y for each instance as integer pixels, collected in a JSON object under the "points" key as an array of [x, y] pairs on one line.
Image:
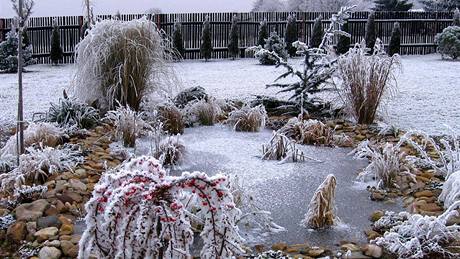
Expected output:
{"points": [[308, 132], [170, 151], [172, 118], [121, 62], [203, 112], [451, 190], [281, 148], [136, 212], [128, 123], [367, 80], [71, 113], [249, 119], [321, 210]]}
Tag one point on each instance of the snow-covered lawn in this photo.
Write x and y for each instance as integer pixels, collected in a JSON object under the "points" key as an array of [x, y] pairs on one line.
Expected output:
{"points": [[429, 88]]}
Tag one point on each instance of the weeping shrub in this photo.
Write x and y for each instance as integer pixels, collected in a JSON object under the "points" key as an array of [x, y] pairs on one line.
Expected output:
{"points": [[367, 80], [121, 62]]}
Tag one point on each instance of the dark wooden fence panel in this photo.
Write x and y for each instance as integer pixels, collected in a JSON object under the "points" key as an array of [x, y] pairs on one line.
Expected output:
{"points": [[418, 29]]}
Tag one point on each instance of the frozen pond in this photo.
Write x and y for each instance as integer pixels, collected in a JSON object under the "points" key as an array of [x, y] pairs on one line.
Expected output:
{"points": [[285, 189]]}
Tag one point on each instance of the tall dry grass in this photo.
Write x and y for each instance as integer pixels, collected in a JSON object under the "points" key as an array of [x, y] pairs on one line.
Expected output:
{"points": [[367, 80]]}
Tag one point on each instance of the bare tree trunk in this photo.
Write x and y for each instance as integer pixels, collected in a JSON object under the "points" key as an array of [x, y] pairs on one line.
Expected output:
{"points": [[20, 126]]}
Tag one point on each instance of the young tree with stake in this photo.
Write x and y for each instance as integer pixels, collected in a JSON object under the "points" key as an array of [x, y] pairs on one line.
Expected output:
{"points": [[370, 36], [206, 40], [178, 40], [318, 33], [263, 33], [395, 41], [290, 35]]}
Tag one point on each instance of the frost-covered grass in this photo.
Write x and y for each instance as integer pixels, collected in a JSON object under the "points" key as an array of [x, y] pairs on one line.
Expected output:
{"points": [[426, 98]]}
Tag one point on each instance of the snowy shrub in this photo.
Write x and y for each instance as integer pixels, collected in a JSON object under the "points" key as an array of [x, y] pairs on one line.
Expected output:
{"points": [[421, 236], [28, 194], [250, 119], [141, 203], [272, 255], [321, 210], [170, 151], [121, 62], [128, 123], [281, 148], [385, 163], [308, 132], [6, 221], [9, 53], [71, 113], [204, 112], [366, 80], [190, 95], [36, 133], [451, 190], [7, 163], [172, 118], [444, 158], [449, 42], [272, 52], [37, 165]]}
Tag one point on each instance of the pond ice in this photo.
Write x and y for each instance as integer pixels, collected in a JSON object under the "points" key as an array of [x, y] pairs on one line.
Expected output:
{"points": [[284, 189]]}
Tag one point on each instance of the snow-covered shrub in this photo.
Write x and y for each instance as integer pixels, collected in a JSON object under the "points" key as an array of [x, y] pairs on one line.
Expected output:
{"points": [[250, 119], [141, 203], [190, 95], [37, 165], [128, 123], [170, 151], [71, 113], [449, 42], [6, 221], [421, 236], [172, 118], [447, 152], [27, 194], [308, 132], [321, 210], [121, 62], [45, 134], [272, 52], [7, 163], [366, 80], [451, 190], [385, 163], [281, 148], [204, 112], [9, 53]]}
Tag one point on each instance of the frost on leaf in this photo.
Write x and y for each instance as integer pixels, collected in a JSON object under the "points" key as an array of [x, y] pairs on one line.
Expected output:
{"points": [[136, 212], [321, 210]]}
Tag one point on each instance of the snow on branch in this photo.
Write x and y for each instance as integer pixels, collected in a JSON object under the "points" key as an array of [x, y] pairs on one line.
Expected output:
{"points": [[136, 212]]}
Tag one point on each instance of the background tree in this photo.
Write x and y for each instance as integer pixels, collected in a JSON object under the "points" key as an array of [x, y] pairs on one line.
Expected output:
{"points": [[456, 17], [343, 44], [290, 35], [263, 33], [233, 46], [178, 41], [370, 36], [317, 5], [268, 6], [395, 41], [206, 40], [56, 53], [392, 5], [317, 33], [440, 5], [25, 38], [9, 53]]}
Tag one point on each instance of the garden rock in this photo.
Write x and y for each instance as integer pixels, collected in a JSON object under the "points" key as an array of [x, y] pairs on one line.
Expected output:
{"points": [[17, 231], [49, 221], [49, 253], [31, 211], [46, 233]]}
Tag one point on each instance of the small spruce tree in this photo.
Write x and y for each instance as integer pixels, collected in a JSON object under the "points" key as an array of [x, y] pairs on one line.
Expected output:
{"points": [[291, 35], [395, 41], [178, 40], [263, 33], [206, 40], [370, 36], [317, 33], [25, 39], [392, 5], [9, 53], [343, 44], [456, 17], [233, 46], [56, 49]]}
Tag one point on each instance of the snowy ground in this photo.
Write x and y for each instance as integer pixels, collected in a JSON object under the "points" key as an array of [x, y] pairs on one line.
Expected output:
{"points": [[427, 97]]}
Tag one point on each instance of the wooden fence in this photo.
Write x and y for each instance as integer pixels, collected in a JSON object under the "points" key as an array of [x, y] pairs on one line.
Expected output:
{"points": [[418, 29]]}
